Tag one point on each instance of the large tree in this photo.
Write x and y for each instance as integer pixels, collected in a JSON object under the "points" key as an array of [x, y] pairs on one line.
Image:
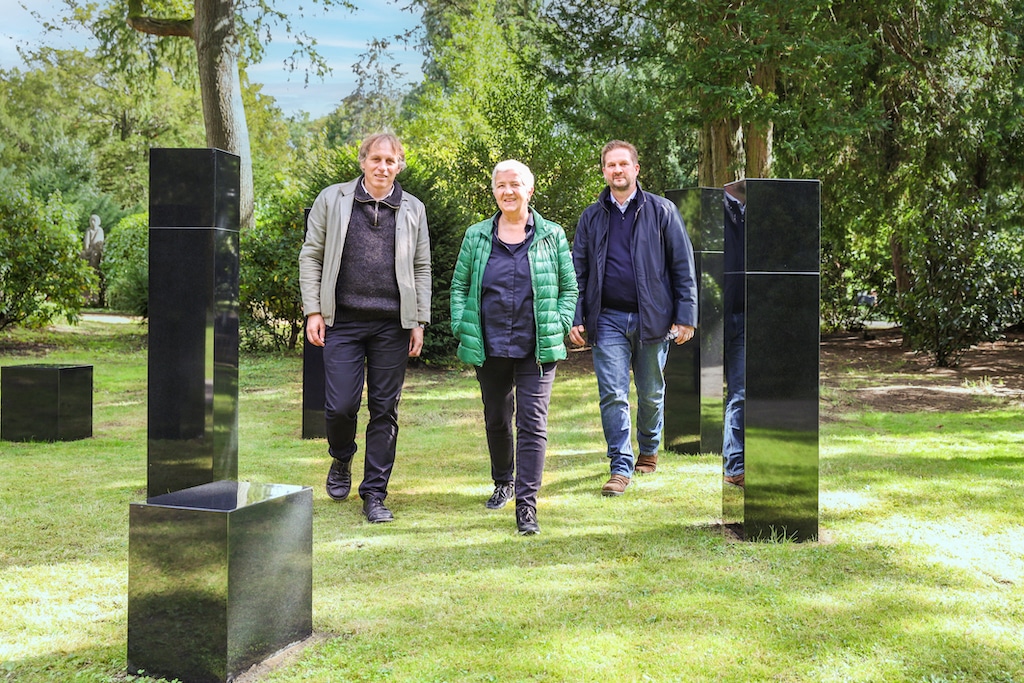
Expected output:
{"points": [[225, 34]]}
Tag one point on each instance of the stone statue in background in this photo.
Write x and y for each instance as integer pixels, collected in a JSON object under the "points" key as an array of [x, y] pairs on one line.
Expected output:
{"points": [[93, 243]]}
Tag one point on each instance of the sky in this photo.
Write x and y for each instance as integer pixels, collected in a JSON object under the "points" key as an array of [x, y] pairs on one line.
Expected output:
{"points": [[341, 37]]}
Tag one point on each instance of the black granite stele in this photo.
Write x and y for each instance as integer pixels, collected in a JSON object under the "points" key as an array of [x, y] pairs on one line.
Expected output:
{"points": [[220, 571], [193, 318], [693, 373], [314, 388], [45, 402], [782, 287], [219, 577]]}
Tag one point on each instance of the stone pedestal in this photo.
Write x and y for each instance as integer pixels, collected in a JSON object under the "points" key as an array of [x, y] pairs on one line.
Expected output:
{"points": [[45, 402], [781, 285], [220, 577], [693, 374]]}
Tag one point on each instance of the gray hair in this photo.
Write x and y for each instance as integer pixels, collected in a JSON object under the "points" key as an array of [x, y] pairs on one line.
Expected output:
{"points": [[390, 139], [524, 172]]}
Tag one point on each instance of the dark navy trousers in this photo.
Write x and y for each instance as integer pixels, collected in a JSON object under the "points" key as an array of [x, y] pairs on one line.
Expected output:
{"points": [[519, 387], [376, 351]]}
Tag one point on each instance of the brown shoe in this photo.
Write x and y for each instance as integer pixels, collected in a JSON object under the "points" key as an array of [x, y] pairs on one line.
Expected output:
{"points": [[615, 486], [736, 480], [646, 464]]}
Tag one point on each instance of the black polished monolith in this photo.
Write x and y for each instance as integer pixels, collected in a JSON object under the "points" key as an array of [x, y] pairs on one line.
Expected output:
{"points": [[219, 571], [193, 318], [780, 281], [693, 373], [45, 402]]}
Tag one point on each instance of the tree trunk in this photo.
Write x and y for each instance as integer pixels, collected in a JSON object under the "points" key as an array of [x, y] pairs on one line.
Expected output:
{"points": [[720, 153], [758, 138], [213, 31], [223, 112]]}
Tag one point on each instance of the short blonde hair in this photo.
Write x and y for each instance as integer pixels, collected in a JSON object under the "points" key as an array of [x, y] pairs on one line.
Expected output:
{"points": [[525, 174]]}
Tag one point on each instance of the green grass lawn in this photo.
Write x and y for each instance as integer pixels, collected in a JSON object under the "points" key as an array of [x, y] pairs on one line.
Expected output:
{"points": [[918, 575]]}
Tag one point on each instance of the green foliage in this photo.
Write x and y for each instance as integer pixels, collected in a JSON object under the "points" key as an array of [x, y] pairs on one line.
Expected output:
{"points": [[270, 308], [42, 275], [125, 265], [965, 277]]}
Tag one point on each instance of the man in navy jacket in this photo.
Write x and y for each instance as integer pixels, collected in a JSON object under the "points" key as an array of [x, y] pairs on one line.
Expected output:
{"points": [[638, 292]]}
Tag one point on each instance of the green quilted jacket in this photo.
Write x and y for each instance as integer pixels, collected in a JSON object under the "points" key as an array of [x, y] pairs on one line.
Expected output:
{"points": [[554, 289]]}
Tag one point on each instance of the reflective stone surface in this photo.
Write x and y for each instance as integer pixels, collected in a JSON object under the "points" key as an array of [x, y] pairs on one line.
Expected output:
{"points": [[314, 425], [193, 188], [193, 319], [777, 279], [219, 577], [45, 402], [694, 383]]}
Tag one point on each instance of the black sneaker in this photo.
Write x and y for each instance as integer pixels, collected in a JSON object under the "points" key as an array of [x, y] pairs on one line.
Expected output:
{"points": [[339, 479], [373, 508], [503, 493], [526, 520]]}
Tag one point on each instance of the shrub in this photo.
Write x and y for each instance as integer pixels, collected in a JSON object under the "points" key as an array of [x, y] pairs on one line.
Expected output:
{"points": [[125, 265], [42, 275]]}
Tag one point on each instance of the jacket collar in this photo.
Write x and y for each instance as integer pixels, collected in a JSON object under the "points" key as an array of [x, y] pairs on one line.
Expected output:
{"points": [[605, 198]]}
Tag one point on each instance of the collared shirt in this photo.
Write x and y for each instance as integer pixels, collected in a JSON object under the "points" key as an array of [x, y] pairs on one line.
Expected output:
{"points": [[623, 206], [506, 298]]}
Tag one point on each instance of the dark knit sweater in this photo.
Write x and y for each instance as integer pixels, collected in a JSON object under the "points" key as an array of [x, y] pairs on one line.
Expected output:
{"points": [[367, 286]]}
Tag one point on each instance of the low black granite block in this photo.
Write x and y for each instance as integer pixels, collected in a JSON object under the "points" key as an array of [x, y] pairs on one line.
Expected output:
{"points": [[45, 402], [219, 578]]}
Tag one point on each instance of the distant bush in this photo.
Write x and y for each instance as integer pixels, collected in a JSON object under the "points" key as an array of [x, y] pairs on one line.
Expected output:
{"points": [[42, 275], [125, 265]]}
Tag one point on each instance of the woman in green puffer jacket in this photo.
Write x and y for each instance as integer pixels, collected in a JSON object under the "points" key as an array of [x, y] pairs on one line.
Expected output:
{"points": [[513, 298]]}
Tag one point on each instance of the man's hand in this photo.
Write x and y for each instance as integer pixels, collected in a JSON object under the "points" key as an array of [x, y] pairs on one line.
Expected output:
{"points": [[415, 342], [683, 333], [576, 335], [315, 329]]}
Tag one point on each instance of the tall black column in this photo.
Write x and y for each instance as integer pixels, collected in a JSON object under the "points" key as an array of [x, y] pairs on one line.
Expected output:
{"points": [[781, 281], [193, 318], [693, 374], [220, 572]]}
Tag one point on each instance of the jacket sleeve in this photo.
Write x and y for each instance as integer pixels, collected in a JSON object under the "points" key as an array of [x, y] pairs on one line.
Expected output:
{"points": [[460, 285], [568, 286], [581, 261], [421, 269], [311, 256], [679, 257]]}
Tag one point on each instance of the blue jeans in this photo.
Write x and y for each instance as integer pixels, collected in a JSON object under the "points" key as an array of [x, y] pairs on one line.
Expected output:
{"points": [[735, 397], [617, 349]]}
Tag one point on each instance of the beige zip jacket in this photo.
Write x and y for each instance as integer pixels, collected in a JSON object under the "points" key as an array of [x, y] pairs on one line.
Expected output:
{"points": [[320, 256]]}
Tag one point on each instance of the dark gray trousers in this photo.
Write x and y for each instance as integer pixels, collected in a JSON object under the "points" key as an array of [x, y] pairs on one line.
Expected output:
{"points": [[521, 387], [378, 351]]}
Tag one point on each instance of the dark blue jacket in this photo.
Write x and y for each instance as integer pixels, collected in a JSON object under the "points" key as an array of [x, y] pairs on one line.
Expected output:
{"points": [[666, 284]]}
